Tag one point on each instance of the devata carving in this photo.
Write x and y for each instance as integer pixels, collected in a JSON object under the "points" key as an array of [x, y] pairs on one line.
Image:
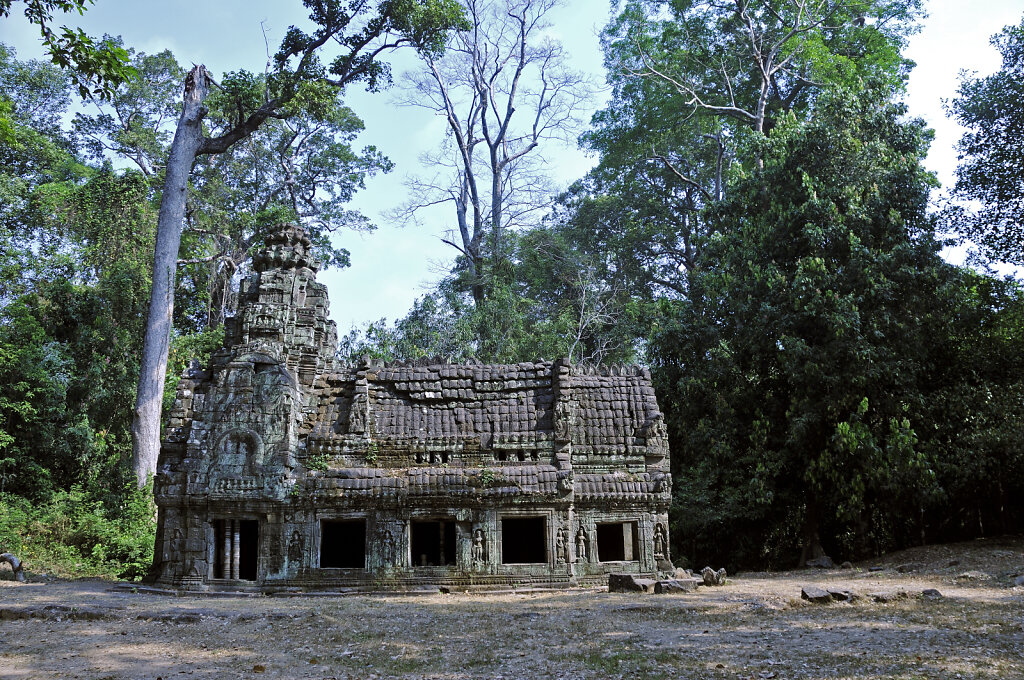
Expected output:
{"points": [[582, 555], [660, 545], [562, 546], [479, 555], [283, 468]]}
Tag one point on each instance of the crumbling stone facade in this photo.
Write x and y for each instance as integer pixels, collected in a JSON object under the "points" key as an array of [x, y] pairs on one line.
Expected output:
{"points": [[283, 468]]}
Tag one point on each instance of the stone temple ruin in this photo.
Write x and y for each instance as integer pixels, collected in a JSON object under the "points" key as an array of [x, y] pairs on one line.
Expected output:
{"points": [[283, 468]]}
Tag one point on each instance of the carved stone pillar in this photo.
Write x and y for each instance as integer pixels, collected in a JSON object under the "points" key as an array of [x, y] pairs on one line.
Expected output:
{"points": [[236, 553]]}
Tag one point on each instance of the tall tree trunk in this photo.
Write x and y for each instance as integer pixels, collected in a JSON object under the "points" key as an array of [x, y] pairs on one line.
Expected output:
{"points": [[810, 536], [188, 138]]}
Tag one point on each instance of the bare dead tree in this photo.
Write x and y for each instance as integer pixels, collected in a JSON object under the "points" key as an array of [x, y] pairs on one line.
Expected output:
{"points": [[596, 309], [506, 92]]}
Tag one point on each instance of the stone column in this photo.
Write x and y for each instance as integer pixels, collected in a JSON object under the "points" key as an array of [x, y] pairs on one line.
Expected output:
{"points": [[236, 553], [225, 553]]}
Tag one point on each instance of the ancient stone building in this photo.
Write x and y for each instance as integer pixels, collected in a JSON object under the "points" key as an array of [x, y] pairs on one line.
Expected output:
{"points": [[283, 468]]}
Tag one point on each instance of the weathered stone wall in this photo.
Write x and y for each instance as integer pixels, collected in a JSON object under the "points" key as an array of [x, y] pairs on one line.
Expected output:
{"points": [[275, 452]]}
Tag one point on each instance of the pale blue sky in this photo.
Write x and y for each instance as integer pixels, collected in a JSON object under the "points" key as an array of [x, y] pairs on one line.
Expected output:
{"points": [[393, 266]]}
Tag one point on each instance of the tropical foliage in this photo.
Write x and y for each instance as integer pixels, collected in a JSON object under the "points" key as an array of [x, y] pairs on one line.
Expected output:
{"points": [[757, 229]]}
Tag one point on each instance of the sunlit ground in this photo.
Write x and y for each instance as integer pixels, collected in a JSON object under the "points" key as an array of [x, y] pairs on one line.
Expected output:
{"points": [[755, 627]]}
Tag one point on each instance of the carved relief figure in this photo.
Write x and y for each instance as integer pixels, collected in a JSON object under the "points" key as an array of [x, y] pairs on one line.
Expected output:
{"points": [[562, 546], [357, 414], [295, 546], [582, 555], [387, 548], [236, 448], [563, 421], [479, 552], [659, 542]]}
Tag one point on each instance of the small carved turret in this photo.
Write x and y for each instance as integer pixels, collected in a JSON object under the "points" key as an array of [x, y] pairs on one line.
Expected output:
{"points": [[286, 248], [282, 309]]}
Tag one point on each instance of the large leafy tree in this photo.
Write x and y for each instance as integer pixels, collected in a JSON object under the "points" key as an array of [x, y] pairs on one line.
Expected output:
{"points": [[97, 67], [991, 171], [970, 424], [34, 152], [134, 121], [790, 369], [299, 82], [76, 243], [693, 81], [303, 169]]}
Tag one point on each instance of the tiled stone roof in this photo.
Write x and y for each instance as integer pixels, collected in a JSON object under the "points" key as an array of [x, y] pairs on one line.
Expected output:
{"points": [[275, 404]]}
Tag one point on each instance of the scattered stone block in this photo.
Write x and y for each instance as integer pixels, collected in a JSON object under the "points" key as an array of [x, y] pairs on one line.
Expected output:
{"points": [[629, 583], [823, 562], [816, 594], [712, 577], [846, 565], [843, 595], [673, 585], [931, 594], [664, 565], [1019, 581], [885, 597]]}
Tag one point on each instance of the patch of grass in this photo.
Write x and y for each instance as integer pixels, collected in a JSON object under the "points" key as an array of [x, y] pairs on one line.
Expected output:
{"points": [[633, 663]]}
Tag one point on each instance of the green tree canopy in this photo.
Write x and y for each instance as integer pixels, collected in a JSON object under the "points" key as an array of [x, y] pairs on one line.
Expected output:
{"points": [[99, 66], [789, 370], [991, 170]]}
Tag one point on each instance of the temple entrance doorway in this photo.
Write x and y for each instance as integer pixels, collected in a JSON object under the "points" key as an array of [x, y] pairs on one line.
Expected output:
{"points": [[237, 546], [617, 542], [432, 543], [343, 544], [523, 540]]}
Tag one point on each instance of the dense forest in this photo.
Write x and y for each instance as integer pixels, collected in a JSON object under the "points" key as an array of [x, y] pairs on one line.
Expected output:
{"points": [[759, 229]]}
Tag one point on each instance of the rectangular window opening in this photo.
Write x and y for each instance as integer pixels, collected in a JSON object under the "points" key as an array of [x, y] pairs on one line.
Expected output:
{"points": [[617, 542], [236, 549], [523, 540], [432, 543], [343, 544]]}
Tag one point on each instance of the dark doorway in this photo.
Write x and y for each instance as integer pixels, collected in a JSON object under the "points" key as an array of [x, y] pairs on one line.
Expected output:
{"points": [[343, 544], [523, 540], [236, 549], [249, 550], [432, 543], [617, 542]]}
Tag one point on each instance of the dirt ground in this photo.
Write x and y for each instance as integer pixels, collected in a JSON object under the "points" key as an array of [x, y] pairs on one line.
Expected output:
{"points": [[756, 626]]}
